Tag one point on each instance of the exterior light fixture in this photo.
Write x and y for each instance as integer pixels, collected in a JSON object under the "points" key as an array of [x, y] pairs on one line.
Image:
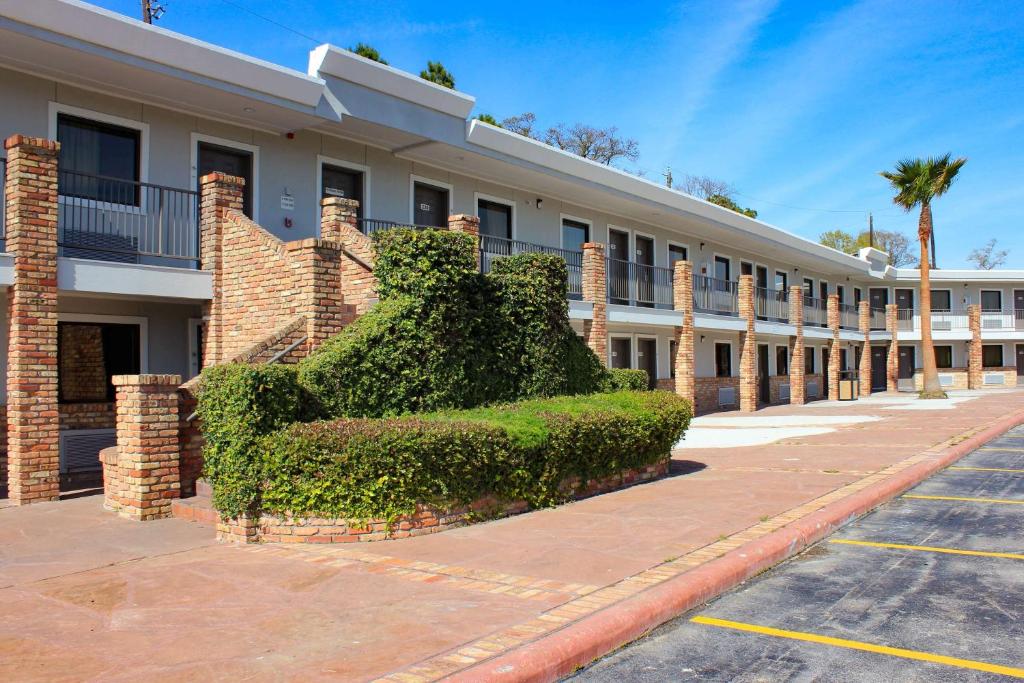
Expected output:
{"points": [[540, 203]]}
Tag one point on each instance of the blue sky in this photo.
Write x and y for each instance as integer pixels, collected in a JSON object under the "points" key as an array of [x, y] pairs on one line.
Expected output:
{"points": [[797, 104]]}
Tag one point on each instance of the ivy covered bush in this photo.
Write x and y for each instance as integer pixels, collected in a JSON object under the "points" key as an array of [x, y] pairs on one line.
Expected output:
{"points": [[446, 337], [381, 468], [624, 379]]}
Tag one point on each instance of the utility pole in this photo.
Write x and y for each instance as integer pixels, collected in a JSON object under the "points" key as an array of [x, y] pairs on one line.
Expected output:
{"points": [[871, 230], [151, 11]]}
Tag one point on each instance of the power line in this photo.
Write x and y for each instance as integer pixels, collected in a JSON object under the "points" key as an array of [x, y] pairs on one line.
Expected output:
{"points": [[275, 23], [808, 208]]}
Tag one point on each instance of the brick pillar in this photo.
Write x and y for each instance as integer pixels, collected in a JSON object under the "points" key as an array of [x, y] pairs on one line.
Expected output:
{"points": [[833, 347], [892, 362], [748, 346], [338, 217], [864, 322], [471, 226], [33, 429], [682, 297], [595, 290], [320, 293], [147, 445], [339, 223], [797, 368], [974, 378], [219, 194]]}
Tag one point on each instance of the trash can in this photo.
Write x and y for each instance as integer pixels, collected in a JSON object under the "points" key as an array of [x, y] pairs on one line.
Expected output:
{"points": [[849, 385]]}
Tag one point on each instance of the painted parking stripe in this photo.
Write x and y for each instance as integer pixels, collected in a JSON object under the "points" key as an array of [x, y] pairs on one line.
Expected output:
{"points": [[927, 548], [986, 469], [965, 499], [866, 647]]}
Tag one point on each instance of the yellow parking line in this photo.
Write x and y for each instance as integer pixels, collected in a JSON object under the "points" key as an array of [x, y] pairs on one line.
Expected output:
{"points": [[968, 500], [927, 548], [866, 647], [986, 469]]}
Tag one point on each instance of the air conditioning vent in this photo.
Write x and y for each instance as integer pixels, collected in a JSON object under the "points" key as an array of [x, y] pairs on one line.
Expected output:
{"points": [[991, 323], [783, 392], [727, 396], [812, 389], [945, 380], [942, 325], [80, 448], [994, 378]]}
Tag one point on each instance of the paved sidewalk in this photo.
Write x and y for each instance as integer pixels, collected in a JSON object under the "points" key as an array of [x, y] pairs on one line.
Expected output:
{"points": [[89, 596]]}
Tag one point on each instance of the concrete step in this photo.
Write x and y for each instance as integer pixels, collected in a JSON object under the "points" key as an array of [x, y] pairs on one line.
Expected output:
{"points": [[197, 509]]}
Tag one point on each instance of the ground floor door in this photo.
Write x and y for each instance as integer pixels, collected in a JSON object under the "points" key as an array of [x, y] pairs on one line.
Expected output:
{"points": [[824, 371], [879, 358], [1020, 360], [763, 387], [906, 362], [647, 359], [622, 352]]}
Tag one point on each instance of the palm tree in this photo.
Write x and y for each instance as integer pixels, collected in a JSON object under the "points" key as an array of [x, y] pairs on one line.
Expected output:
{"points": [[918, 182]]}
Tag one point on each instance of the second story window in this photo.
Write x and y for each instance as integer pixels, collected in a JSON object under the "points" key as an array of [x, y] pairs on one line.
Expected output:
{"points": [[676, 252], [98, 161], [941, 300], [992, 301], [495, 218], [781, 280], [722, 268], [574, 234]]}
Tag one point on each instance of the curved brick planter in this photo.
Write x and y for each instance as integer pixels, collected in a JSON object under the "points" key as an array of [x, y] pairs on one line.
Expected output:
{"points": [[426, 519]]}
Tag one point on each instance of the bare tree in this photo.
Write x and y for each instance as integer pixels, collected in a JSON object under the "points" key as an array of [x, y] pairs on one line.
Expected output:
{"points": [[704, 187], [987, 257], [603, 145], [522, 124]]}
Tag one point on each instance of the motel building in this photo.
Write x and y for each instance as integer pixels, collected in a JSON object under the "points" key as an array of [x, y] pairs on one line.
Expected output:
{"points": [[170, 204]]}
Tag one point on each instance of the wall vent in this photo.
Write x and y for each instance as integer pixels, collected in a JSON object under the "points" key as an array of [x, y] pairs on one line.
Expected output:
{"points": [[727, 396], [80, 448], [812, 389], [783, 392], [994, 378]]}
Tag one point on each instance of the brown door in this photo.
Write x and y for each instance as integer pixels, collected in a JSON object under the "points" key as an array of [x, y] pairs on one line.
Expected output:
{"points": [[762, 277], [618, 267], [906, 363], [644, 256], [1020, 360], [430, 205], [1018, 308], [763, 382], [622, 353], [824, 372], [647, 359], [879, 355], [214, 158], [905, 299]]}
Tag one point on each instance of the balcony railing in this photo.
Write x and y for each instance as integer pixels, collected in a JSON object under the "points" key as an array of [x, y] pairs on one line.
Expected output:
{"points": [[1000, 320], [368, 226], [771, 304], [878, 319], [947, 320], [849, 317], [493, 248], [111, 219], [636, 284], [815, 312], [718, 297], [907, 319]]}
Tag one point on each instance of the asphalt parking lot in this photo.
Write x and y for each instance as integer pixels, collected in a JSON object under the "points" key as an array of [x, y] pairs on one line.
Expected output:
{"points": [[929, 587]]}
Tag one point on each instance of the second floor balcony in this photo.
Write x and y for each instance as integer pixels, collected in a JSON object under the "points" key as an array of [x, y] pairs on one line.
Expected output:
{"points": [[958, 319]]}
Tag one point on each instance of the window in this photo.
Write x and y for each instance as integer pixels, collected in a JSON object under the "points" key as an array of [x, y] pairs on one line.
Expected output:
{"points": [[857, 296], [781, 360], [722, 270], [89, 149], [574, 234], [841, 291], [672, 358], [808, 288], [495, 218], [781, 280], [991, 301], [992, 355], [746, 268], [723, 360], [89, 354], [823, 290], [809, 361], [941, 300], [676, 252], [944, 356], [342, 182]]}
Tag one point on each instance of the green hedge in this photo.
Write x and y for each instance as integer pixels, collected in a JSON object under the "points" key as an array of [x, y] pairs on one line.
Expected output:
{"points": [[623, 379], [363, 469]]}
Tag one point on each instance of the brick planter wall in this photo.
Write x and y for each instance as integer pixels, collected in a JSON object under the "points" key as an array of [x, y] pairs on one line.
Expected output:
{"points": [[426, 520], [961, 378]]}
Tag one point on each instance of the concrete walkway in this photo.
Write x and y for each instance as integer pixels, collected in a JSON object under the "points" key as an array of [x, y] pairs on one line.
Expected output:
{"points": [[88, 596]]}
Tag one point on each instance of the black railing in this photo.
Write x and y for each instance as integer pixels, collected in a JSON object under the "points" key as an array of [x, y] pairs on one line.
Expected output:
{"points": [[637, 284], [815, 312], [718, 297], [771, 304], [492, 248], [368, 226], [112, 219], [849, 317]]}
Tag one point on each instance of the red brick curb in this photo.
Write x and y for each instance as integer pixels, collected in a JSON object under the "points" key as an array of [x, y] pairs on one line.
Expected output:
{"points": [[562, 652]]}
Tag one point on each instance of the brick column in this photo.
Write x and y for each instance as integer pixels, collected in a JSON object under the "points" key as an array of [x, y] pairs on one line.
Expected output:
{"points": [[748, 346], [339, 223], [147, 468], [338, 217], [470, 225], [833, 347], [892, 361], [595, 290], [682, 297], [219, 194], [974, 378], [864, 322], [797, 369], [318, 269], [33, 430]]}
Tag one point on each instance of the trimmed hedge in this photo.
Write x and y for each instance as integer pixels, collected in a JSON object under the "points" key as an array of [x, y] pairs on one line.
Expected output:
{"points": [[379, 469], [624, 379]]}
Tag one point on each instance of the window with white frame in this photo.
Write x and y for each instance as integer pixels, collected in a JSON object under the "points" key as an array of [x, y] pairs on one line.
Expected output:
{"points": [[99, 161]]}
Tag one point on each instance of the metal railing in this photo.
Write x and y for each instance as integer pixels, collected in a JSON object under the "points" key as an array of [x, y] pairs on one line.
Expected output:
{"points": [[368, 226], [1018, 319], [719, 297], [815, 312], [907, 319], [849, 317], [493, 248], [878, 319], [112, 219], [946, 319], [1000, 320], [637, 284], [771, 304]]}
